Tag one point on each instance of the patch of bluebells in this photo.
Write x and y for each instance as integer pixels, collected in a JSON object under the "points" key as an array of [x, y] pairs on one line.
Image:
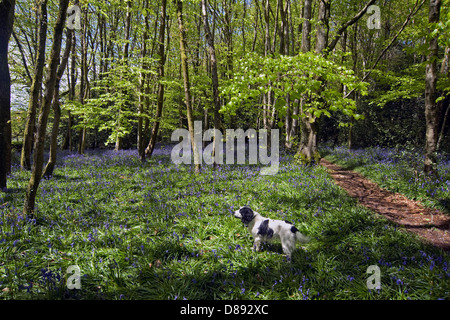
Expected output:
{"points": [[302, 291]]}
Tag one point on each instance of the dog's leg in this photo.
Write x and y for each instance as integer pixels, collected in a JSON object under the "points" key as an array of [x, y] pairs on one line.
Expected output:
{"points": [[257, 244], [287, 249]]}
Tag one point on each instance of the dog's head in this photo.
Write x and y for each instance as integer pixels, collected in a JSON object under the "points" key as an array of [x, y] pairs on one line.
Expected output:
{"points": [[245, 214]]}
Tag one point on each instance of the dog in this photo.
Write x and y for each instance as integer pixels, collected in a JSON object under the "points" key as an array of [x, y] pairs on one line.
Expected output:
{"points": [[264, 229]]}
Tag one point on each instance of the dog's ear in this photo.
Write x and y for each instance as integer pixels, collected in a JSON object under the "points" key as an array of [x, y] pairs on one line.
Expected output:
{"points": [[247, 214]]}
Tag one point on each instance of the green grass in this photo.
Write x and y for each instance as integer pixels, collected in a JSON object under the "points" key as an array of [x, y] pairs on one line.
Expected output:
{"points": [[157, 231]]}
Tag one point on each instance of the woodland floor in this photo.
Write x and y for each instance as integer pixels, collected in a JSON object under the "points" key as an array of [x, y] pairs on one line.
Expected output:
{"points": [[430, 224]]}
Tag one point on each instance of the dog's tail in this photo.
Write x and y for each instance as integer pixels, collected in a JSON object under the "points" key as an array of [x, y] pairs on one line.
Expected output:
{"points": [[301, 237]]}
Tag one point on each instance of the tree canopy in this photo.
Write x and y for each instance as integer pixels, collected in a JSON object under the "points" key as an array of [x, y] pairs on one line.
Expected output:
{"points": [[345, 72]]}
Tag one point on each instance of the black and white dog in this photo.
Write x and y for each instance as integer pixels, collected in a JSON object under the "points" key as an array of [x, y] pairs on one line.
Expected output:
{"points": [[264, 229]]}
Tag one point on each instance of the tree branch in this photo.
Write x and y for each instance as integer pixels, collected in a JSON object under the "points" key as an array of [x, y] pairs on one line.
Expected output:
{"points": [[416, 8], [24, 61], [348, 24]]}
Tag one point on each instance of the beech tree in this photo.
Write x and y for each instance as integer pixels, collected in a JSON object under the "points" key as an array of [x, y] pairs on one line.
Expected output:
{"points": [[33, 104], [214, 73], [161, 63], [308, 144], [48, 171], [308, 76], [50, 82], [6, 24], [186, 83], [431, 111]]}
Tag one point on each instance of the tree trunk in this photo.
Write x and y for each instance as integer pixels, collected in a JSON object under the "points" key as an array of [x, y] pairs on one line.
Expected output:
{"points": [[82, 144], [294, 127], [267, 98], [126, 45], [187, 90], [25, 158], [160, 99], [431, 111], [311, 126], [288, 123], [284, 35], [50, 82], [291, 40], [143, 88], [307, 138], [83, 79], [322, 27], [350, 136], [6, 25], [306, 30], [244, 15], [228, 35], [48, 171], [445, 71], [275, 27], [71, 79], [214, 76], [444, 123], [256, 25], [305, 47], [267, 48]]}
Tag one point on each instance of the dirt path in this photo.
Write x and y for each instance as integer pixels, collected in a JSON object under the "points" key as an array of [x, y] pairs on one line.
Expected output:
{"points": [[430, 224]]}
